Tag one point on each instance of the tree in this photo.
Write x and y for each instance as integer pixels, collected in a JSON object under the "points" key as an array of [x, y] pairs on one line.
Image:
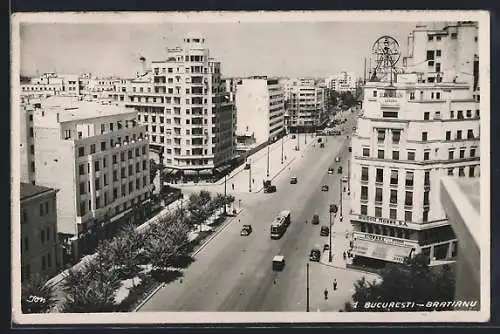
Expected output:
{"points": [[347, 99], [124, 250], [37, 296], [413, 281], [204, 197]]}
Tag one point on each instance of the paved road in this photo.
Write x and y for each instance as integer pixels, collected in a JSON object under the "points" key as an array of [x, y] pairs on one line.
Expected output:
{"points": [[233, 273]]}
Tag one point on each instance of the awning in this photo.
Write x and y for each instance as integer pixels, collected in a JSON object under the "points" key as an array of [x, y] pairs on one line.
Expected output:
{"points": [[206, 172], [190, 172], [380, 251], [222, 168]]}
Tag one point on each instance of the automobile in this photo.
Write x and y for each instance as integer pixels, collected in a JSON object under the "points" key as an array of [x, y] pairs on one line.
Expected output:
{"points": [[322, 145], [325, 231], [294, 136], [246, 230], [320, 140], [315, 220], [247, 166], [324, 187], [350, 148], [326, 247], [330, 170], [354, 128], [337, 159], [339, 170], [270, 189], [278, 263], [315, 254], [293, 180]]}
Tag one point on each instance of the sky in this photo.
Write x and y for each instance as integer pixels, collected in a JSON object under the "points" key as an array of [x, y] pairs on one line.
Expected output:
{"points": [[294, 49]]}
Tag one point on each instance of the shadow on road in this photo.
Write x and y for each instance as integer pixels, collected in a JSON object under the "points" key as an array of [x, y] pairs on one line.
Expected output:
{"points": [[183, 261], [166, 276]]}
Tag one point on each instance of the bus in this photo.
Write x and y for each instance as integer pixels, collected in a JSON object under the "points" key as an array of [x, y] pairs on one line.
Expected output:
{"points": [[280, 224]]}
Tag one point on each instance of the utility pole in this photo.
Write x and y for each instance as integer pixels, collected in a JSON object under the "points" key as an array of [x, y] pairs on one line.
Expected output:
{"points": [[364, 73], [282, 139], [330, 243], [348, 177], [268, 150], [307, 287], [225, 195], [250, 177]]}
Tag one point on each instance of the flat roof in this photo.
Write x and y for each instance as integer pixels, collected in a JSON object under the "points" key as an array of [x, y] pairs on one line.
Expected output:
{"points": [[29, 190]]}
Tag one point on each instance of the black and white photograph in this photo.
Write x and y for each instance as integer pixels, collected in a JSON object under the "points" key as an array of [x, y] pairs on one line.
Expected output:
{"points": [[240, 167]]}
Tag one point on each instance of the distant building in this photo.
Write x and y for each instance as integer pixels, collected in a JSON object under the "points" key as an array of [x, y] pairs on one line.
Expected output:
{"points": [[97, 156], [49, 84], [40, 249], [342, 82], [182, 102], [259, 109]]}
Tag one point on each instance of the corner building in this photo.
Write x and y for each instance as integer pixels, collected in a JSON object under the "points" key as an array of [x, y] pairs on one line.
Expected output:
{"points": [[410, 135]]}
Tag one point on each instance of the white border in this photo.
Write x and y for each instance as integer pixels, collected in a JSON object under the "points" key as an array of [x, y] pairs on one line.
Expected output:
{"points": [[260, 317]]}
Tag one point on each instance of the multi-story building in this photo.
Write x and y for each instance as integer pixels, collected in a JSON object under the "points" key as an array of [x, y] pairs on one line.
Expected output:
{"points": [[27, 145], [305, 104], [49, 84], [97, 156], [342, 82], [259, 109], [99, 88], [182, 103], [409, 136], [40, 250]]}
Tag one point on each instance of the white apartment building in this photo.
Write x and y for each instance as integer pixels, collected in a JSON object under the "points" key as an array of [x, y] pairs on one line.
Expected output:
{"points": [[342, 82], [99, 88], [182, 103], [305, 104], [27, 145], [409, 136], [97, 156], [260, 109], [50, 84]]}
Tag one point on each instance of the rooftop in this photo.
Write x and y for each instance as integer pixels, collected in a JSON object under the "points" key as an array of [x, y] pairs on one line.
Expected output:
{"points": [[72, 109], [29, 190]]}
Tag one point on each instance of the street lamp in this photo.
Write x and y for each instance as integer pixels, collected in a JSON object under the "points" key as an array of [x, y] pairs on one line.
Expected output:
{"points": [[225, 194], [333, 209], [307, 287], [348, 177], [282, 139], [268, 148], [250, 176]]}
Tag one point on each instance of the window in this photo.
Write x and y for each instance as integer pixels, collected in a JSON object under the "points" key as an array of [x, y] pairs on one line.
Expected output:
{"points": [[461, 171], [394, 177], [41, 210], [471, 171], [426, 115], [448, 135], [470, 134], [430, 53], [96, 166], [408, 216], [477, 112], [81, 169], [450, 171], [364, 173], [366, 152], [129, 154], [437, 115], [412, 95], [81, 151], [394, 197], [459, 134], [472, 152], [427, 178], [426, 155], [411, 155], [395, 155], [378, 211], [438, 53], [409, 198], [122, 156], [392, 215], [460, 114], [424, 136], [462, 153], [389, 114], [364, 193], [114, 159], [409, 179], [92, 149], [468, 113], [380, 154], [82, 188], [380, 176], [381, 136], [364, 209], [452, 114], [454, 35], [450, 154], [67, 134], [378, 194], [426, 198], [103, 146]]}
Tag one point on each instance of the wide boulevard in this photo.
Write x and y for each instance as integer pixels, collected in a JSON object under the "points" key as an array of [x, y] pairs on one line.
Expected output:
{"points": [[234, 273]]}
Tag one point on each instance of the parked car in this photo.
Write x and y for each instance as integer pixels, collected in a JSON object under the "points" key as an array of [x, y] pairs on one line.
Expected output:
{"points": [[320, 140], [339, 170], [330, 170], [315, 254], [325, 231], [322, 145], [324, 187], [315, 220], [246, 230], [278, 263], [326, 247], [270, 189], [293, 180], [350, 148], [337, 159]]}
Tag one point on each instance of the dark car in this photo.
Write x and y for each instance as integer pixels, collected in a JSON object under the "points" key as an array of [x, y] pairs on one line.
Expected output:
{"points": [[247, 166], [246, 230], [325, 231], [339, 170], [315, 220], [315, 254], [322, 145], [330, 170], [324, 187], [270, 189], [320, 140], [293, 180], [350, 148], [294, 136], [278, 263], [326, 247]]}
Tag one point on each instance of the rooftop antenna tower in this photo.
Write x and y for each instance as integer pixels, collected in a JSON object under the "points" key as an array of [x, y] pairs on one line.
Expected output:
{"points": [[386, 52]]}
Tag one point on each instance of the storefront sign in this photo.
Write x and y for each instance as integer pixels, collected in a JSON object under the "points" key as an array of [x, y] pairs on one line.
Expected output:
{"points": [[384, 221], [385, 239], [389, 101]]}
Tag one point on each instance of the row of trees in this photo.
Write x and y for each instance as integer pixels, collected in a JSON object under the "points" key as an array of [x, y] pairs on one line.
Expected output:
{"points": [[413, 281], [92, 287]]}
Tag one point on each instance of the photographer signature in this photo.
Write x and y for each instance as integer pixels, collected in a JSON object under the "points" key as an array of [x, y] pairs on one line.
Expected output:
{"points": [[35, 299]]}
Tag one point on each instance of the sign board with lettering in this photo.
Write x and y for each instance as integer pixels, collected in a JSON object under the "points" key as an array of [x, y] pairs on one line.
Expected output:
{"points": [[387, 222], [385, 239]]}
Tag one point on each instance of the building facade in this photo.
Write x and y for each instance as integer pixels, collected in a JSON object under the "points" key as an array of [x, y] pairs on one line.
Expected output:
{"points": [[97, 156], [27, 145], [260, 109], [183, 105], [40, 250], [342, 82], [410, 135]]}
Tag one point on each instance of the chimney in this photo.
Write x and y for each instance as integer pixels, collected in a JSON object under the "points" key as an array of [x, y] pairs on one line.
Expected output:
{"points": [[143, 64]]}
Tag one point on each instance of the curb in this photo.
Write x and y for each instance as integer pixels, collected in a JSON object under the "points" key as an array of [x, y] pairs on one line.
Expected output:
{"points": [[351, 269], [203, 245]]}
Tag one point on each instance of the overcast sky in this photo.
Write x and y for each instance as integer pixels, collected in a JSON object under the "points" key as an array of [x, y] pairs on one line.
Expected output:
{"points": [[316, 49]]}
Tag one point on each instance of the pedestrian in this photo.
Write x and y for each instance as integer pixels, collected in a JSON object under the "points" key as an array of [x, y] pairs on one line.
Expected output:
{"points": [[232, 185], [344, 255], [334, 284], [253, 181], [325, 293]]}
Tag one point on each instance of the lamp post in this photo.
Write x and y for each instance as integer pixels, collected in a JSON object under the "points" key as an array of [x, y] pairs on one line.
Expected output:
{"points": [[250, 177], [268, 150], [332, 209], [307, 287], [225, 195], [282, 139], [348, 177]]}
